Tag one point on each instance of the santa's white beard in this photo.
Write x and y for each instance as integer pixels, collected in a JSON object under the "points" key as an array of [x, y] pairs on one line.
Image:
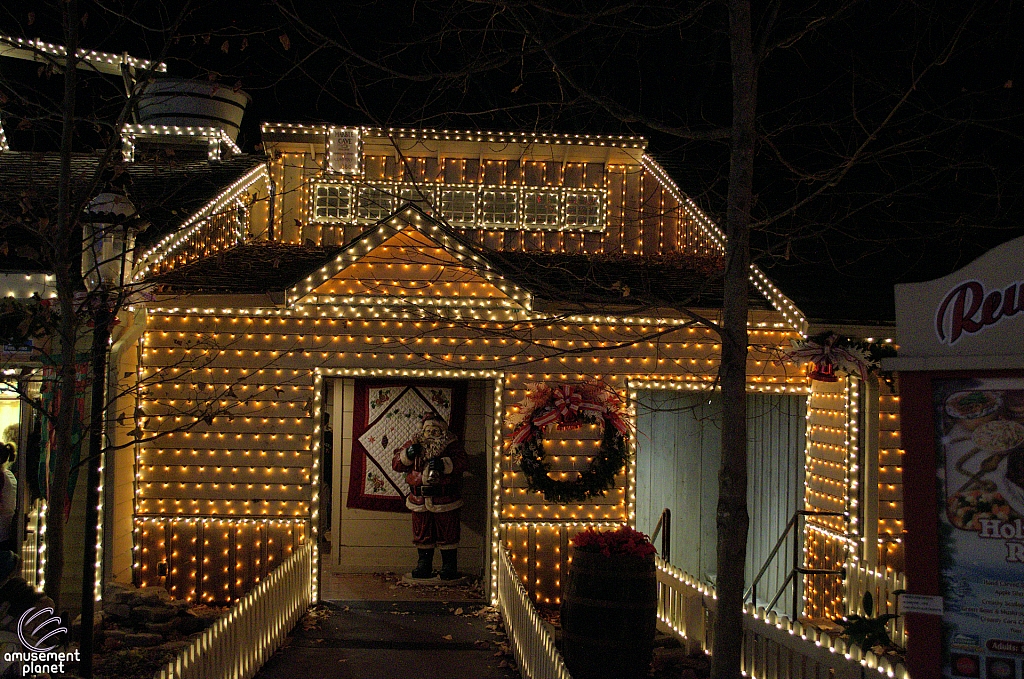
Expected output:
{"points": [[433, 447]]}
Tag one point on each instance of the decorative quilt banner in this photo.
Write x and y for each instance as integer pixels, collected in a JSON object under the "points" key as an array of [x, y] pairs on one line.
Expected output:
{"points": [[386, 415]]}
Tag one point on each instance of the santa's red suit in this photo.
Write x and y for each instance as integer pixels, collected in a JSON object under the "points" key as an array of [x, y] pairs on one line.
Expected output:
{"points": [[435, 502]]}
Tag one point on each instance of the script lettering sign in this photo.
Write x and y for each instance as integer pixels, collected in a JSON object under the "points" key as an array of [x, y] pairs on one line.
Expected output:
{"points": [[969, 308]]}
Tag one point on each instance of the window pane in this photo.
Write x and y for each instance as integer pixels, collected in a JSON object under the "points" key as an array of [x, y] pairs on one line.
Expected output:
{"points": [[459, 206], [500, 207], [332, 202], [582, 209], [540, 208], [375, 203], [421, 196]]}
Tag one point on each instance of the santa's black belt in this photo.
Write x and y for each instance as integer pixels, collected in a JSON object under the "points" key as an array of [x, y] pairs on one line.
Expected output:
{"points": [[430, 491]]}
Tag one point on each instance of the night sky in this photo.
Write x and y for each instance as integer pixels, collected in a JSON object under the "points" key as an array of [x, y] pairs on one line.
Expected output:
{"points": [[926, 96]]}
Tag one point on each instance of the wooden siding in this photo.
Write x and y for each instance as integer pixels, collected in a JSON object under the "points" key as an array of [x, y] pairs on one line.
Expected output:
{"points": [[829, 420], [644, 215], [836, 484], [253, 458], [890, 480], [230, 403], [678, 459]]}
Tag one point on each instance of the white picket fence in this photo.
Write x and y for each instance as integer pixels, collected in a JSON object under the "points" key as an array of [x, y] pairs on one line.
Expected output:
{"points": [[532, 644], [774, 647], [882, 586], [237, 645]]}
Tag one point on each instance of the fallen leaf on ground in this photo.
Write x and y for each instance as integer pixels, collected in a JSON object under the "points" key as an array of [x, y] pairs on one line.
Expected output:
{"points": [[447, 637]]}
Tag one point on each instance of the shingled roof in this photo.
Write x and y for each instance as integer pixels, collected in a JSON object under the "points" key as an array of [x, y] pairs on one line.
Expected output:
{"points": [[247, 268], [666, 281], [165, 192], [579, 280]]}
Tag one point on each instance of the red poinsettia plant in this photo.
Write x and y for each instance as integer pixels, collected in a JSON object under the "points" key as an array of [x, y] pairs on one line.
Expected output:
{"points": [[621, 541]]}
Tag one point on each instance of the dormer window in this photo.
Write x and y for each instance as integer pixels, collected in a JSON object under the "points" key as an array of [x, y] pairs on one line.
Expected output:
{"points": [[459, 205], [500, 208], [540, 208], [333, 202]]}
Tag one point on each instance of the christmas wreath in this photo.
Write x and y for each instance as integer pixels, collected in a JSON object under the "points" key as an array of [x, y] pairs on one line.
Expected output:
{"points": [[570, 407]]}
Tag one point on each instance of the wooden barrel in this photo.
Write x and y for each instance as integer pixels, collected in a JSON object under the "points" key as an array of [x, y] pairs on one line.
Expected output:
{"points": [[609, 616]]}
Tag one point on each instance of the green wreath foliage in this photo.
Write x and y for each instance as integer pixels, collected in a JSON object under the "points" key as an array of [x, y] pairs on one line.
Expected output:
{"points": [[593, 482]]}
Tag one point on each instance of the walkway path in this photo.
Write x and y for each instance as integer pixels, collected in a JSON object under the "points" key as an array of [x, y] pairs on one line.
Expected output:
{"points": [[394, 639]]}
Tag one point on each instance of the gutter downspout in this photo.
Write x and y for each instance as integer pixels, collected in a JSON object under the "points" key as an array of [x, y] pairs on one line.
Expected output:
{"points": [[129, 338]]}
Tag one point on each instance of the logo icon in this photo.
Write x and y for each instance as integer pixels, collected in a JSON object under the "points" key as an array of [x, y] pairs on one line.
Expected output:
{"points": [[39, 626]]}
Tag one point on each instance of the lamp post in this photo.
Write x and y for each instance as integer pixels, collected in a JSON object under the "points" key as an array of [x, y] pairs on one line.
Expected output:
{"points": [[109, 227]]}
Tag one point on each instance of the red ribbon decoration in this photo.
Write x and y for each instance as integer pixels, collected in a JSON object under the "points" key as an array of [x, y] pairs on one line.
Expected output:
{"points": [[562, 406]]}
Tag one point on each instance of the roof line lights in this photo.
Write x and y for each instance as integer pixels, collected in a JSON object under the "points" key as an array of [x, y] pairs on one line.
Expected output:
{"points": [[104, 62], [429, 134], [782, 304], [172, 241], [215, 137], [390, 227]]}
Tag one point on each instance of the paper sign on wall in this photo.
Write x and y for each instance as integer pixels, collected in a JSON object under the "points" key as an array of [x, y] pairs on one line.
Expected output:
{"points": [[344, 150]]}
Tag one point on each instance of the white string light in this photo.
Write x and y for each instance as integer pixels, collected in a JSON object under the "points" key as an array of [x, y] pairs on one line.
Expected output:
{"points": [[102, 61]]}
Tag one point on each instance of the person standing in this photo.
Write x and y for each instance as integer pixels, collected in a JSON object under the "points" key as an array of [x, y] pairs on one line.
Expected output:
{"points": [[8, 498], [433, 460]]}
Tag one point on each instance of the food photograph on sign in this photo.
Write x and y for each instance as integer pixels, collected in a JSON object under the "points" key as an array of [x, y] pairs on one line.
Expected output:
{"points": [[980, 452]]}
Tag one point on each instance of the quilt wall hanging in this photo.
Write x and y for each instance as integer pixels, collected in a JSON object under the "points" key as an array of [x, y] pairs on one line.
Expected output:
{"points": [[385, 415]]}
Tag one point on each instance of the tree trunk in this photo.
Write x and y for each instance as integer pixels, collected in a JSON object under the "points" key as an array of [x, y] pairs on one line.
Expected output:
{"points": [[64, 391], [732, 518]]}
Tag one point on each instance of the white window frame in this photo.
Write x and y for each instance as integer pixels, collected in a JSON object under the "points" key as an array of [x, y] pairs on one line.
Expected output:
{"points": [[483, 213], [574, 218], [547, 219], [464, 214], [345, 202], [383, 204], [489, 213]]}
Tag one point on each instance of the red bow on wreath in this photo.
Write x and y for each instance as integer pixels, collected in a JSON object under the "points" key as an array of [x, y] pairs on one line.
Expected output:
{"points": [[566, 406], [563, 405]]}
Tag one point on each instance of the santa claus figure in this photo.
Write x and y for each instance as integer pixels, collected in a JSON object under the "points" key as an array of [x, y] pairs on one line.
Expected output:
{"points": [[433, 460]]}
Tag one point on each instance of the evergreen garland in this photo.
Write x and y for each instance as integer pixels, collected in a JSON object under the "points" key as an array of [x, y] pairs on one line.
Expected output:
{"points": [[593, 482]]}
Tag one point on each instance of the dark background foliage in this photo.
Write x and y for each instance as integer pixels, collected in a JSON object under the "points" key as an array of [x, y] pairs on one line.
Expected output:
{"points": [[890, 131]]}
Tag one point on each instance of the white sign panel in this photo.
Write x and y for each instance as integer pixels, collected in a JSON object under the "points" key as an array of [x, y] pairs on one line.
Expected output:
{"points": [[977, 312], [344, 150], [920, 603]]}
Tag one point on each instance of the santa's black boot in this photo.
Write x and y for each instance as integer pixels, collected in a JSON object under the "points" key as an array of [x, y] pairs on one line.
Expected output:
{"points": [[425, 566], [449, 564]]}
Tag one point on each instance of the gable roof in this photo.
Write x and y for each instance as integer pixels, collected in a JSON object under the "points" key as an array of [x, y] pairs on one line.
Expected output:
{"points": [[335, 276], [412, 266], [410, 217]]}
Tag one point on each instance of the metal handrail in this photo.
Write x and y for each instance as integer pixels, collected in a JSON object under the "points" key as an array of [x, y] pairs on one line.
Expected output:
{"points": [[797, 568], [664, 521]]}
